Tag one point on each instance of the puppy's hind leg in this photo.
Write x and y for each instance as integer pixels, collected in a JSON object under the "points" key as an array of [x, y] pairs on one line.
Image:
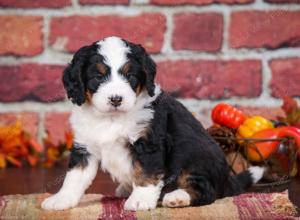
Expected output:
{"points": [[201, 190], [192, 190], [83, 169]]}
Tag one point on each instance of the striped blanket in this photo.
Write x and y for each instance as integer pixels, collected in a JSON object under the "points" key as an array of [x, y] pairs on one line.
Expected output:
{"points": [[96, 206]]}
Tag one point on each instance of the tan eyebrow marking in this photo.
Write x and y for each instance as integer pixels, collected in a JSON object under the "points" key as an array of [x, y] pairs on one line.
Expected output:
{"points": [[125, 68], [101, 68]]}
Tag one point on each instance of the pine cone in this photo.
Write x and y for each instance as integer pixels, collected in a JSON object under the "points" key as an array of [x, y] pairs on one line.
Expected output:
{"points": [[225, 137]]}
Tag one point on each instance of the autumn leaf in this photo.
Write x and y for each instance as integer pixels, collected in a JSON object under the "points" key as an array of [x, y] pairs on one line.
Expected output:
{"points": [[69, 139], [14, 161], [2, 161], [35, 145], [33, 160], [10, 131], [289, 104], [292, 112]]}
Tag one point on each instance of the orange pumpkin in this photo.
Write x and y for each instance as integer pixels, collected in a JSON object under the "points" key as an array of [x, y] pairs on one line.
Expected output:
{"points": [[261, 150], [258, 151]]}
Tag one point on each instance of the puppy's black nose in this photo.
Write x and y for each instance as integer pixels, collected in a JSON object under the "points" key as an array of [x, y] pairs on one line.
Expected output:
{"points": [[116, 100]]}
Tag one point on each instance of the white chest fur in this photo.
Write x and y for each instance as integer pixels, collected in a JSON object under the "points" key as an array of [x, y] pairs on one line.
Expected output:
{"points": [[107, 137]]}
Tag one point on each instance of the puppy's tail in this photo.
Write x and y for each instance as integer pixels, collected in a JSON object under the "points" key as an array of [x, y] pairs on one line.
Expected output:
{"points": [[244, 180]]}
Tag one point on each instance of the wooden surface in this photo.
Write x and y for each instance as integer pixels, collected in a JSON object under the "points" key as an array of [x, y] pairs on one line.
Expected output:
{"points": [[41, 180]]}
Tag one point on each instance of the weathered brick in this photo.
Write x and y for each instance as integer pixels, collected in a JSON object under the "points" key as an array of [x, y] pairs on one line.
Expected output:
{"points": [[57, 124], [34, 3], [270, 113], [269, 29], [211, 79], [29, 121], [202, 32], [21, 35], [104, 2], [31, 82], [71, 33], [285, 77], [198, 2]]}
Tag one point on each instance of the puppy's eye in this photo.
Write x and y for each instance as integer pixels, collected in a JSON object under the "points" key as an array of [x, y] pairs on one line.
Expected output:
{"points": [[101, 68], [125, 69], [97, 76], [93, 84], [131, 76]]}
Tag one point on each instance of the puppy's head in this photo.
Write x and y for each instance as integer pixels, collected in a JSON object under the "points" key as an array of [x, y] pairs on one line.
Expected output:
{"points": [[109, 74]]}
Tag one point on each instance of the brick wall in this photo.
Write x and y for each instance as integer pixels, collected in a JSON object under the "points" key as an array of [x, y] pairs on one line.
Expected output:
{"points": [[245, 52]]}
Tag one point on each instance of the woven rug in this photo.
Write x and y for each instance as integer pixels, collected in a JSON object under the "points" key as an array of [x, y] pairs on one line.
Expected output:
{"points": [[95, 206]]}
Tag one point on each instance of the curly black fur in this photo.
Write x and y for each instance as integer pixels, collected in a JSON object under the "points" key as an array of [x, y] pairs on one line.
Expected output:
{"points": [[177, 143]]}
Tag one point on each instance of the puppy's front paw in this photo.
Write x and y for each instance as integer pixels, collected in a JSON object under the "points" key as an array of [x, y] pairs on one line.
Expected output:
{"points": [[143, 198], [60, 201], [135, 203]]}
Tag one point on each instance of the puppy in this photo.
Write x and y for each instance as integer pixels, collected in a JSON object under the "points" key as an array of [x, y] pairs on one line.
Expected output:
{"points": [[146, 140]]}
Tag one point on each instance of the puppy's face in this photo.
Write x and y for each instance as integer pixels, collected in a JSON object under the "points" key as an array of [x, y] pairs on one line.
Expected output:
{"points": [[110, 75], [114, 80]]}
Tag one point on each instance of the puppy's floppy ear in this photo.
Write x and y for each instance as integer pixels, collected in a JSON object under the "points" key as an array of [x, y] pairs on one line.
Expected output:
{"points": [[150, 69], [73, 78], [147, 63]]}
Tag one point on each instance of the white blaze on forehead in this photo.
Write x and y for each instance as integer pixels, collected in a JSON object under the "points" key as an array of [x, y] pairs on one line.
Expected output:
{"points": [[114, 51]]}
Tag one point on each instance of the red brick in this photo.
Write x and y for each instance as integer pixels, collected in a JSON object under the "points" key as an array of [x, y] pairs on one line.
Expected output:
{"points": [[270, 113], [71, 33], [104, 2], [271, 29], [31, 82], [202, 32], [198, 2], [285, 77], [29, 120], [57, 124], [211, 79], [35, 3], [282, 1], [21, 35]]}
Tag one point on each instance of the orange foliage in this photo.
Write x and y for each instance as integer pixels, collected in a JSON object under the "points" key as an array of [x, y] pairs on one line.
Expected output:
{"points": [[18, 148]]}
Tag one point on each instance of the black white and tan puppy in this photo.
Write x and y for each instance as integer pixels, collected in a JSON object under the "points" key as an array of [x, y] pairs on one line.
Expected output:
{"points": [[146, 140]]}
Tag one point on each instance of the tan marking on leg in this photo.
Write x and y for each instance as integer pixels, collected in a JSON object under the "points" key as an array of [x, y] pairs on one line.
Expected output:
{"points": [[142, 179], [182, 183]]}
